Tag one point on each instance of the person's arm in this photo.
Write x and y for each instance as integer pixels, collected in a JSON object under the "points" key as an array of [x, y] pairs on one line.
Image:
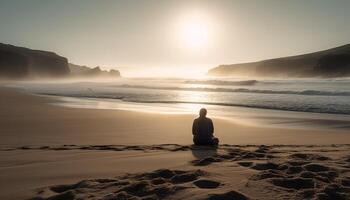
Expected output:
{"points": [[195, 127], [211, 127]]}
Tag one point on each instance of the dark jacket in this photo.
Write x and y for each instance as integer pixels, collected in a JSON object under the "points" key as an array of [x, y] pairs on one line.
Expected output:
{"points": [[202, 128]]}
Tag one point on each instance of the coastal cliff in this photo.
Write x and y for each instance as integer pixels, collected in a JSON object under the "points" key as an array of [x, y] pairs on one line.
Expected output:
{"points": [[20, 62], [333, 62]]}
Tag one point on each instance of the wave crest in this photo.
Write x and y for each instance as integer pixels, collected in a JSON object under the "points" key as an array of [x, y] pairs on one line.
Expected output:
{"points": [[242, 90], [219, 82]]}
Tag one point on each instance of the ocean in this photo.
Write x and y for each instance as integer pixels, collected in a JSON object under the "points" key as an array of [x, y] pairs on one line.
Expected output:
{"points": [[311, 98]]}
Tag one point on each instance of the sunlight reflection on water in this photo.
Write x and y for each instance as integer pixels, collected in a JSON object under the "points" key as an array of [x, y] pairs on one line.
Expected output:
{"points": [[241, 115], [268, 102]]}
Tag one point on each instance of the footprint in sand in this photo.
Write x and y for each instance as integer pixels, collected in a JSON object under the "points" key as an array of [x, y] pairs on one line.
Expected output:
{"points": [[186, 177], [265, 166], [228, 195], [205, 161], [245, 164], [316, 167], [293, 183], [206, 184], [157, 184]]}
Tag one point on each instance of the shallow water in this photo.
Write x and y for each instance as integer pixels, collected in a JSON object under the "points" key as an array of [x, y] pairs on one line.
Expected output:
{"points": [[294, 102]]}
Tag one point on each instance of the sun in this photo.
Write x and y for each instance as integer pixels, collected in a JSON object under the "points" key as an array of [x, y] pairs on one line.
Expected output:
{"points": [[194, 34], [193, 30]]}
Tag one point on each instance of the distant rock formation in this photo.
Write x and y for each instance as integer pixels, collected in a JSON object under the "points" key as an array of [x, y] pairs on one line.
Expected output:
{"points": [[20, 62], [84, 71], [333, 62]]}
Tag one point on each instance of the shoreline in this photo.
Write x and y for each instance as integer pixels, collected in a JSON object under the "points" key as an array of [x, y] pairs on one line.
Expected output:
{"points": [[251, 116], [322, 99], [38, 115], [258, 117]]}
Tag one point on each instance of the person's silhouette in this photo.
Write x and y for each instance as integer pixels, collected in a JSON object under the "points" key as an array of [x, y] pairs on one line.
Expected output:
{"points": [[203, 130]]}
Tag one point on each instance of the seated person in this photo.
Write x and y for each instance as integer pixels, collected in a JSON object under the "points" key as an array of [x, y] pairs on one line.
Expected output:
{"points": [[203, 130]]}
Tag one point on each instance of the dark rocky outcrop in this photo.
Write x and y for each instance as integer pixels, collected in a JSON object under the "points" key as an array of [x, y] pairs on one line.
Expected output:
{"points": [[333, 65], [19, 62], [333, 62], [96, 72]]}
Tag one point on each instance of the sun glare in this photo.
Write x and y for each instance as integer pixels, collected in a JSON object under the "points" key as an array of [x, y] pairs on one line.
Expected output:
{"points": [[194, 30], [195, 34]]}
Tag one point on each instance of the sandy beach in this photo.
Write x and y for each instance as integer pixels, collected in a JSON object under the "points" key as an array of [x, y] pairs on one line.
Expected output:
{"points": [[53, 152], [175, 100]]}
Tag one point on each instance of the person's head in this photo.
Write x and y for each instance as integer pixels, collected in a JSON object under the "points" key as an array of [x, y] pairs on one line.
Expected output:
{"points": [[202, 112]]}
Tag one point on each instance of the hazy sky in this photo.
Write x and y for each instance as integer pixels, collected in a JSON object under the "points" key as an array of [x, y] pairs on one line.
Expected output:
{"points": [[163, 37]]}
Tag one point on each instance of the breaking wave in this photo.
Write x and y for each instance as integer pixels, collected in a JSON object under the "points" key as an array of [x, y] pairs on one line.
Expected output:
{"points": [[242, 90], [127, 98], [219, 82]]}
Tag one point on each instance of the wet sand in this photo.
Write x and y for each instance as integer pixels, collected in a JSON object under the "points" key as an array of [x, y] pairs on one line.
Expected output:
{"points": [[34, 120]]}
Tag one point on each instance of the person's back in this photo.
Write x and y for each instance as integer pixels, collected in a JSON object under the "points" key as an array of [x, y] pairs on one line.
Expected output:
{"points": [[203, 130]]}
